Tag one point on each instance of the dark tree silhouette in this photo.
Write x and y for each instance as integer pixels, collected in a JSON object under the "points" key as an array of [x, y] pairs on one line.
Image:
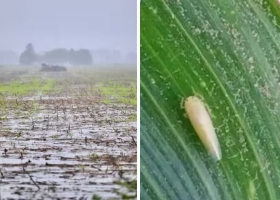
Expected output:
{"points": [[80, 57], [28, 57], [61, 56], [56, 56]]}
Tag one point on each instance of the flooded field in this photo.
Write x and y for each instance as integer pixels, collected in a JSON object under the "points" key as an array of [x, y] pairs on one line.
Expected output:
{"points": [[68, 135]]}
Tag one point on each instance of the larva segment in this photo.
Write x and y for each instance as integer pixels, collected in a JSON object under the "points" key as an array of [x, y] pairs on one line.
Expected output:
{"points": [[202, 123]]}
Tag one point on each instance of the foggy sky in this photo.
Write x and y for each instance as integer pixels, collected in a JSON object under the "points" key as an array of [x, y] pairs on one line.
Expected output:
{"points": [[74, 24]]}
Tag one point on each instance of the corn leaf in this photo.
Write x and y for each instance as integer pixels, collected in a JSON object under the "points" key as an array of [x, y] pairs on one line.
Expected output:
{"points": [[227, 53]]}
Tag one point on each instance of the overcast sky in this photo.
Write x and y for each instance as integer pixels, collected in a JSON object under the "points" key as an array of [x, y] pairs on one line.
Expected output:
{"points": [[49, 24]]}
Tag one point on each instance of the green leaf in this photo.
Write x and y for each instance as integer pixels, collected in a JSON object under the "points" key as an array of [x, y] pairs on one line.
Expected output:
{"points": [[228, 53]]}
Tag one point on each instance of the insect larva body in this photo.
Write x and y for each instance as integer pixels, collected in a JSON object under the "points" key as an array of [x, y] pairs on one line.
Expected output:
{"points": [[202, 123]]}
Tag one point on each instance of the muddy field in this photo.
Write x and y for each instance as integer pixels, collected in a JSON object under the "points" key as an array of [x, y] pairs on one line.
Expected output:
{"points": [[70, 136]]}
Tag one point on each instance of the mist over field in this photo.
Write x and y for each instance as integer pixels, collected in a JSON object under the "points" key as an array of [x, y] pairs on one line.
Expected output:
{"points": [[107, 29]]}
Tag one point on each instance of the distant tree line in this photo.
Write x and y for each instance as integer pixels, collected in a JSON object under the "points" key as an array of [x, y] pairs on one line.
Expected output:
{"points": [[56, 56]]}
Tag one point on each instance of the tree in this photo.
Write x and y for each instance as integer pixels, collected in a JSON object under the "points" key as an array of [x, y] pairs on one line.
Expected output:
{"points": [[80, 57], [29, 56], [56, 56], [30, 48], [61, 56]]}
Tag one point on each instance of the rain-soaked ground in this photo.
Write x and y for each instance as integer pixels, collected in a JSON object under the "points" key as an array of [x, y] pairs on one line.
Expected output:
{"points": [[67, 147]]}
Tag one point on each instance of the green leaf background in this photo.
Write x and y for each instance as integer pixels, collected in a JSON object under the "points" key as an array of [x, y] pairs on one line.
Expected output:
{"points": [[228, 53]]}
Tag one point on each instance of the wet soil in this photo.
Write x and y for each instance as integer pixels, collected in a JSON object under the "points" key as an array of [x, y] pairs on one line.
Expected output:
{"points": [[66, 148]]}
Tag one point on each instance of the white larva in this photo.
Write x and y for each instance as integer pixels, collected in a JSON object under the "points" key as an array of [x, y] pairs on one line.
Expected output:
{"points": [[202, 123]]}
